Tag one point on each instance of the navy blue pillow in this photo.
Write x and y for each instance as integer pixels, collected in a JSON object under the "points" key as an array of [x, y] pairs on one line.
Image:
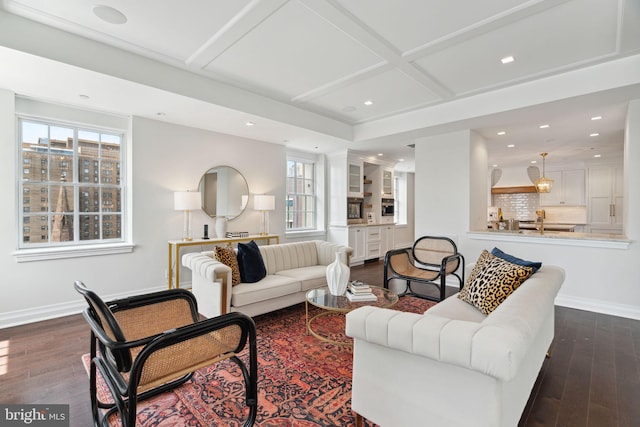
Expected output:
{"points": [[514, 260], [250, 263]]}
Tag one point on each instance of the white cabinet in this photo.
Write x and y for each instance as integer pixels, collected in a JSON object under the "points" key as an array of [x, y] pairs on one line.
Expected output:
{"points": [[374, 242], [354, 178], [388, 237], [568, 189], [605, 199], [358, 242], [387, 183]]}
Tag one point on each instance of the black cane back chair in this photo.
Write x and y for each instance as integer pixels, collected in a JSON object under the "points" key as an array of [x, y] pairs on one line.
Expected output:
{"points": [[148, 344], [431, 260]]}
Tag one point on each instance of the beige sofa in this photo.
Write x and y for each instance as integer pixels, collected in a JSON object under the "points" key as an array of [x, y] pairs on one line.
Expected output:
{"points": [[292, 269], [453, 365]]}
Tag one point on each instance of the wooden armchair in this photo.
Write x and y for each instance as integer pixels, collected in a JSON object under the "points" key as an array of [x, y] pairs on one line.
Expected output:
{"points": [[430, 261], [148, 344]]}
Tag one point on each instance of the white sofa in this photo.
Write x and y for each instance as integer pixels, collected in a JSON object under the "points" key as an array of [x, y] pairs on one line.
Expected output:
{"points": [[453, 365], [292, 269]]}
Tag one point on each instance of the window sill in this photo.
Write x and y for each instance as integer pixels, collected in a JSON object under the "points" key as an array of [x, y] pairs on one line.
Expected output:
{"points": [[43, 254], [305, 233]]}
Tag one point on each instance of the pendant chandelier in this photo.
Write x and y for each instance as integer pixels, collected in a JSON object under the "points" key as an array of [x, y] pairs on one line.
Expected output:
{"points": [[543, 184]]}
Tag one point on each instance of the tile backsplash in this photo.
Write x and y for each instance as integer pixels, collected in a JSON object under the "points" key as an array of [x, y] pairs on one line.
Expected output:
{"points": [[523, 206], [520, 206]]}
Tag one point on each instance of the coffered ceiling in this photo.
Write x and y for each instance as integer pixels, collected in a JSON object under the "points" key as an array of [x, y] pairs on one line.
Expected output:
{"points": [[343, 73]]}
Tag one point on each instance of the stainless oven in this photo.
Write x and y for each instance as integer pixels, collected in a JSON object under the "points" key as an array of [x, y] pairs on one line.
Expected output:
{"points": [[387, 207], [354, 208]]}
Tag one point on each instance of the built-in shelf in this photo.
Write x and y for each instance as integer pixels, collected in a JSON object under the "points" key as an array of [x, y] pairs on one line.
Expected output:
{"points": [[369, 206], [367, 181], [367, 194]]}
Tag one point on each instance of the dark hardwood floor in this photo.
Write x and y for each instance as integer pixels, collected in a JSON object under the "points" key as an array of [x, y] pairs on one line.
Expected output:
{"points": [[592, 378]]}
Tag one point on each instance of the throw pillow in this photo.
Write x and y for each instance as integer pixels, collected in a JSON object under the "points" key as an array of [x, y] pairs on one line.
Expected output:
{"points": [[515, 260], [491, 281], [251, 264], [227, 256]]}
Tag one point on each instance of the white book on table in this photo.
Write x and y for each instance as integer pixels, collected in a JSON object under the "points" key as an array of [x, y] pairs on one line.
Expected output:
{"points": [[361, 297]]}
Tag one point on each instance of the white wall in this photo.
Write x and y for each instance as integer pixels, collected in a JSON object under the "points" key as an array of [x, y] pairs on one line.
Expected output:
{"points": [[166, 158], [598, 279]]}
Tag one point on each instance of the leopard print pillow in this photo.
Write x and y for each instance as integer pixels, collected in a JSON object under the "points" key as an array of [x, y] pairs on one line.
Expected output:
{"points": [[491, 281], [227, 256]]}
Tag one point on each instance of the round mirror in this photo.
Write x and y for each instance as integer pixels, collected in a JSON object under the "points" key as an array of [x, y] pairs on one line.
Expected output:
{"points": [[224, 192]]}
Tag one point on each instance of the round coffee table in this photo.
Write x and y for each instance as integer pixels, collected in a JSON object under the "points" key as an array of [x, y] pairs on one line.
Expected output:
{"points": [[340, 305]]}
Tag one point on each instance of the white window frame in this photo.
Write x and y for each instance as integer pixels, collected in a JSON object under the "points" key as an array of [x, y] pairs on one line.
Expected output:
{"points": [[57, 115], [319, 177], [401, 198]]}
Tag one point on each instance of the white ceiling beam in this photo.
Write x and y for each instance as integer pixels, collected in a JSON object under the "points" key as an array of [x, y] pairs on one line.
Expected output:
{"points": [[617, 76], [249, 17], [37, 39]]}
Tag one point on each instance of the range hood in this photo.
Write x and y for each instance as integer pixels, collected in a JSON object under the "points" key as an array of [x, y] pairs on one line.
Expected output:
{"points": [[514, 180]]}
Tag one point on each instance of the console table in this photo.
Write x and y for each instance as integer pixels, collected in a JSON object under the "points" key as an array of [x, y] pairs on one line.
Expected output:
{"points": [[175, 245]]}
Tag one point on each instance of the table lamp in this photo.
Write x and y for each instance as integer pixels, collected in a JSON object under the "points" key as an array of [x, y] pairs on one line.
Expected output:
{"points": [[264, 203], [186, 201]]}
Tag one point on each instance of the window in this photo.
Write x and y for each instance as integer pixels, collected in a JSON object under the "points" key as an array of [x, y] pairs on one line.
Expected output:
{"points": [[301, 195], [400, 191], [63, 211]]}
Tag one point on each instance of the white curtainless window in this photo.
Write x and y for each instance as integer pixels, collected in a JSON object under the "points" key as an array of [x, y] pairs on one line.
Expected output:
{"points": [[71, 188]]}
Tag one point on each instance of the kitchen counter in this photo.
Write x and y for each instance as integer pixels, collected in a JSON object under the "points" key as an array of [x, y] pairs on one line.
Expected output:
{"points": [[375, 224], [565, 238]]}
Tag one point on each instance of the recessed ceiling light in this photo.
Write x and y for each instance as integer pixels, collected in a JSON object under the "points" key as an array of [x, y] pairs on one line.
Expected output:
{"points": [[250, 124], [83, 96], [401, 160], [507, 59], [368, 102], [494, 166], [380, 154], [502, 132], [596, 118], [533, 162], [594, 134], [160, 113], [511, 145], [544, 126], [109, 14], [597, 155]]}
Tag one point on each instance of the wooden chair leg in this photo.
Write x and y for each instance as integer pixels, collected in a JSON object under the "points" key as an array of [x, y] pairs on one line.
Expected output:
{"points": [[359, 420]]}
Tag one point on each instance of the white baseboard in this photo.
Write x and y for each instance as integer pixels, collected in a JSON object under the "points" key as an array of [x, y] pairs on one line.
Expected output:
{"points": [[596, 306], [46, 312]]}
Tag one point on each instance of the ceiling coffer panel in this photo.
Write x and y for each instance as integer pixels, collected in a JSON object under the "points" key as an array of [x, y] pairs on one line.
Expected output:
{"points": [[539, 43], [292, 52], [389, 92], [424, 21]]}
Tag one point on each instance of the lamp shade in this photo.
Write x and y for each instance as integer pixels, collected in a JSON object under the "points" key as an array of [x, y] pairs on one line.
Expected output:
{"points": [[264, 202], [186, 200]]}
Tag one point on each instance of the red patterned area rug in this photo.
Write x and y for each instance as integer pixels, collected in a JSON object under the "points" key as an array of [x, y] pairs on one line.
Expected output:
{"points": [[303, 382]]}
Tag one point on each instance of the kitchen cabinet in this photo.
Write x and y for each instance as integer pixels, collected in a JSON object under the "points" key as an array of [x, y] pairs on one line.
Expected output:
{"points": [[387, 183], [605, 199], [388, 237], [354, 178], [358, 242], [374, 242], [568, 189]]}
